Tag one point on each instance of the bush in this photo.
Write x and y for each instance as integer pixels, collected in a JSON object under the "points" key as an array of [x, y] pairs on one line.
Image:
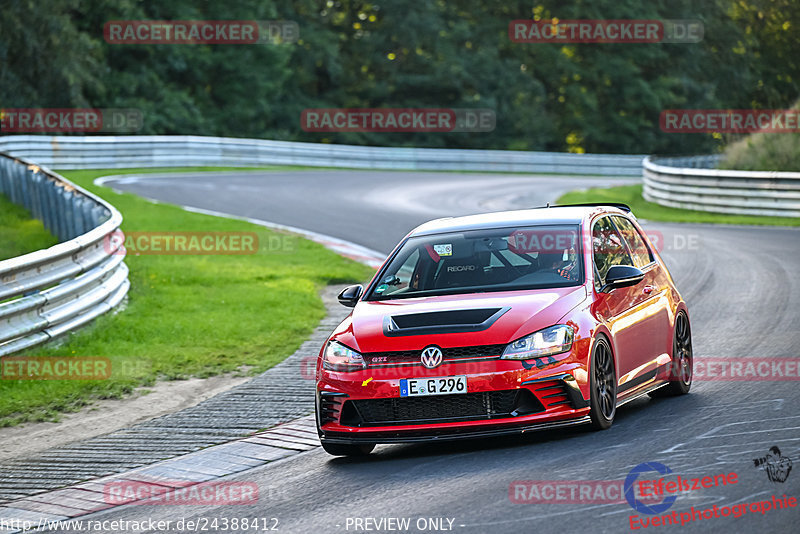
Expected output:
{"points": [[764, 152]]}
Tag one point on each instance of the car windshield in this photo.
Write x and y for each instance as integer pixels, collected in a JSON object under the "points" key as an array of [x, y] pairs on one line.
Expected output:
{"points": [[498, 259]]}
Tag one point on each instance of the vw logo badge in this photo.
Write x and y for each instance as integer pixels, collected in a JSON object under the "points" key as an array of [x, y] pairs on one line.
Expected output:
{"points": [[431, 357]]}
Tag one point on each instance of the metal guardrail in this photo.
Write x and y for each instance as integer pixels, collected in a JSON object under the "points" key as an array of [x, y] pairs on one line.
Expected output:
{"points": [[693, 183], [115, 152], [52, 291]]}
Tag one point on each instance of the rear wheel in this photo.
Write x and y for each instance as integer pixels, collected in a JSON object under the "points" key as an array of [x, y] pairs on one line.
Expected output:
{"points": [[340, 449], [682, 360], [603, 384]]}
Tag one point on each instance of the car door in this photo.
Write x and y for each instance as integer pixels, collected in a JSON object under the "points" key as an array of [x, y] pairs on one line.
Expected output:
{"points": [[654, 322], [620, 309]]}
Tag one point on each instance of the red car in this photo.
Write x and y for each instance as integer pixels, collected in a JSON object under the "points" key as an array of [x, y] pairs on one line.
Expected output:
{"points": [[503, 323]]}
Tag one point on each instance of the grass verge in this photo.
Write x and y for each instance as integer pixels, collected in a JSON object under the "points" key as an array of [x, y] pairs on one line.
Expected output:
{"points": [[632, 196], [187, 315], [20, 233]]}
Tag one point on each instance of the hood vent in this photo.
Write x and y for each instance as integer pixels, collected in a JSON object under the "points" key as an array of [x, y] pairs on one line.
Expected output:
{"points": [[442, 322]]}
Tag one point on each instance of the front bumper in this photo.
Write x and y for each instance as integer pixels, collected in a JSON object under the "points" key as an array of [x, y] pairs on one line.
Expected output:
{"points": [[441, 434], [505, 398]]}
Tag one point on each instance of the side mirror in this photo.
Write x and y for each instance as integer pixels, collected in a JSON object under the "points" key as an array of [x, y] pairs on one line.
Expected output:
{"points": [[622, 276], [350, 295]]}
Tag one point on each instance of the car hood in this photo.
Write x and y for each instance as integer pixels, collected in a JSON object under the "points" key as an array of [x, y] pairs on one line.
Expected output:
{"points": [[411, 324]]}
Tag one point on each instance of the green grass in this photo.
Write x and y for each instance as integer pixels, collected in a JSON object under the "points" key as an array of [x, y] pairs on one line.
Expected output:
{"points": [[632, 196], [19, 232], [187, 316]]}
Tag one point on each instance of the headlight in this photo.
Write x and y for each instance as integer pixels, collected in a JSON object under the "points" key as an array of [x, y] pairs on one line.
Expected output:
{"points": [[542, 343], [337, 357]]}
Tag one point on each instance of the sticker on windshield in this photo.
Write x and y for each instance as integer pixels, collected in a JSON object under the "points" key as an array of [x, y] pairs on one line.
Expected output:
{"points": [[381, 288], [444, 249]]}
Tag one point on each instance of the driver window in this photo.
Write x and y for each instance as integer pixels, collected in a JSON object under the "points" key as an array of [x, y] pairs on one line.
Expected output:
{"points": [[641, 253], [608, 248]]}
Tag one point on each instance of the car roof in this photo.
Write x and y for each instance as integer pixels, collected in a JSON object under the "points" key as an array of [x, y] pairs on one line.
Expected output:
{"points": [[571, 214]]}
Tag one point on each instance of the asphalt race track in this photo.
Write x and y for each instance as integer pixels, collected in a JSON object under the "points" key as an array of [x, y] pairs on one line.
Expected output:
{"points": [[743, 292]]}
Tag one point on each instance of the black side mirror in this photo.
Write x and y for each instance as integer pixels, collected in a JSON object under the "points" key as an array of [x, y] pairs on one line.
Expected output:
{"points": [[350, 295], [621, 276]]}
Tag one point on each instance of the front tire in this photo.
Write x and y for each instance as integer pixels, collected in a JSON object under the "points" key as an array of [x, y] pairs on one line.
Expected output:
{"points": [[339, 449], [682, 361], [603, 385]]}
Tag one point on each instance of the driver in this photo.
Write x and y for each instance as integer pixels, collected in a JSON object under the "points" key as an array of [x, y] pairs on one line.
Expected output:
{"points": [[555, 263]]}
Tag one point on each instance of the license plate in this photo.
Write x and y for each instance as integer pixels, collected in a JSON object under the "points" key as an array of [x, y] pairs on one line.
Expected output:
{"points": [[444, 385]]}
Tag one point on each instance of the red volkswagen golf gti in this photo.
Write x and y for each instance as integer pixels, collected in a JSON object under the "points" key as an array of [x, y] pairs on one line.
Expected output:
{"points": [[503, 323]]}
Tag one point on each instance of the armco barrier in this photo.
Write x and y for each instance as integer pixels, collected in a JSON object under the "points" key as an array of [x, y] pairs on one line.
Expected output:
{"points": [[115, 152], [693, 183], [51, 292]]}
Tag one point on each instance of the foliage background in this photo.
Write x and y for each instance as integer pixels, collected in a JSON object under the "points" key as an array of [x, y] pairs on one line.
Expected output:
{"points": [[403, 53]]}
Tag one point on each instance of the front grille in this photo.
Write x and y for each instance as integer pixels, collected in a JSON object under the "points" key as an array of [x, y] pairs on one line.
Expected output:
{"points": [[377, 359], [440, 408]]}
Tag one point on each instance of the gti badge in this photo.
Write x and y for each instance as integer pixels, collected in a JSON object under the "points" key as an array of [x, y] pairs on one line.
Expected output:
{"points": [[431, 357]]}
